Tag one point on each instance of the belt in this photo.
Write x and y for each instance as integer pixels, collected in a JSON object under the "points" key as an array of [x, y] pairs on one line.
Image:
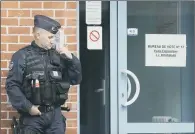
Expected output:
{"points": [[46, 108]]}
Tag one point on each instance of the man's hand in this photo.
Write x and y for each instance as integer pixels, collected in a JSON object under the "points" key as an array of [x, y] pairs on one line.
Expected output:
{"points": [[64, 50], [34, 110]]}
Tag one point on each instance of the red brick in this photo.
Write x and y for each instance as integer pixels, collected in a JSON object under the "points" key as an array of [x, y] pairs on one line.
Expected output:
{"points": [[68, 14], [73, 89], [3, 91], [54, 5], [3, 64], [3, 131], [9, 4], [3, 13], [71, 5], [3, 81], [26, 39], [70, 115], [71, 22], [3, 47], [6, 56], [4, 115], [4, 73], [72, 98], [9, 39], [48, 13], [71, 123], [71, 131], [72, 47], [18, 13], [70, 30], [18, 30], [30, 4], [5, 123], [9, 21], [71, 39], [6, 107], [3, 98], [15, 47], [26, 22], [3, 30], [10, 131]]}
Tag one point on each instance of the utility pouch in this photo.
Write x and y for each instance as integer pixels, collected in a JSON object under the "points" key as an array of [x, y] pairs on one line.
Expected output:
{"points": [[49, 96], [62, 91], [54, 77], [37, 84]]}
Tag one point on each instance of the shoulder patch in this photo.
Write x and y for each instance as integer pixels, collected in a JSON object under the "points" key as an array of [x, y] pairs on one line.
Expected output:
{"points": [[11, 64]]}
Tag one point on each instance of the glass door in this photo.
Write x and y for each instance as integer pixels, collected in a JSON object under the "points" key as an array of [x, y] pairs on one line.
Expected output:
{"points": [[155, 67]]}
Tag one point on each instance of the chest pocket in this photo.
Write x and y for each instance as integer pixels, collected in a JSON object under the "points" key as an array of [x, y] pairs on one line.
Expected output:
{"points": [[55, 76]]}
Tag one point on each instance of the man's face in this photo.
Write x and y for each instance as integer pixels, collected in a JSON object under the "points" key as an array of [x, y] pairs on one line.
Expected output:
{"points": [[46, 39]]}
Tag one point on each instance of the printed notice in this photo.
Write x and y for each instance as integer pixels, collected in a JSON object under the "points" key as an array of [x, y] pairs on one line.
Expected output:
{"points": [[166, 50], [93, 12]]}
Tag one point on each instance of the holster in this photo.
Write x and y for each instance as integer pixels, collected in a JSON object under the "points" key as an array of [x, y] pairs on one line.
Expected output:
{"points": [[15, 126], [18, 128]]}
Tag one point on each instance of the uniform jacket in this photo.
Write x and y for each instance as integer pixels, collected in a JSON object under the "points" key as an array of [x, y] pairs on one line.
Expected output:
{"points": [[17, 68]]}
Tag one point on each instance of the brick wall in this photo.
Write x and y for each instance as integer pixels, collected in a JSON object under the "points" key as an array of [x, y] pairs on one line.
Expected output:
{"points": [[16, 29]]}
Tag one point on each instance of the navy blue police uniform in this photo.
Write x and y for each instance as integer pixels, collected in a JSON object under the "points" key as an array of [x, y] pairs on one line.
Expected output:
{"points": [[41, 77]]}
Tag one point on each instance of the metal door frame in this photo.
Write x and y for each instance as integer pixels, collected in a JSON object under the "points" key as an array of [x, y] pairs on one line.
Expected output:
{"points": [[113, 69], [118, 114]]}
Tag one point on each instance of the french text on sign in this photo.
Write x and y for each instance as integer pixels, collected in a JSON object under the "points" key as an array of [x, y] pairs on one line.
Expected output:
{"points": [[166, 50], [93, 12], [94, 37]]}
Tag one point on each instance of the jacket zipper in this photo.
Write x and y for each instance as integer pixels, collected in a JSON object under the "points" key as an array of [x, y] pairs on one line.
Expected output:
{"points": [[45, 64], [45, 70]]}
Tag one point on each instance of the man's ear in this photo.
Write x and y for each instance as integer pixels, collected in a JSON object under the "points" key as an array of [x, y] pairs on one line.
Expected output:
{"points": [[37, 34]]}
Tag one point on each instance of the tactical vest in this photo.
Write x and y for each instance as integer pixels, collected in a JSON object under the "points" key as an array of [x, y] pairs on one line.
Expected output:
{"points": [[45, 78]]}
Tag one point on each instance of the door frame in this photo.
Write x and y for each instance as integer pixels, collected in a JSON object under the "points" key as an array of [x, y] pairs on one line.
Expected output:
{"points": [[118, 114], [113, 69]]}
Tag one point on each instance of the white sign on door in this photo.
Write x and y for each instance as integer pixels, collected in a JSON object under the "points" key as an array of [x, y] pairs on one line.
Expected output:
{"points": [[93, 12], [166, 50], [94, 37], [132, 31]]}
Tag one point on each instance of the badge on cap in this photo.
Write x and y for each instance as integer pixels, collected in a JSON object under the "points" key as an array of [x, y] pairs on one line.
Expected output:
{"points": [[11, 65], [54, 29]]}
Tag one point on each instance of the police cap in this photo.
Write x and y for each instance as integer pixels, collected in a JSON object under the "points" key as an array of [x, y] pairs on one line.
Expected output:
{"points": [[46, 23]]}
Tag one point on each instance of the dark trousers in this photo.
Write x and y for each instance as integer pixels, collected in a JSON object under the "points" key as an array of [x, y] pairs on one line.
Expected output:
{"points": [[52, 122]]}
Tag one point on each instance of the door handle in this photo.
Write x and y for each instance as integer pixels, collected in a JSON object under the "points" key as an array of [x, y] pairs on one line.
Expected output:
{"points": [[102, 90], [137, 92]]}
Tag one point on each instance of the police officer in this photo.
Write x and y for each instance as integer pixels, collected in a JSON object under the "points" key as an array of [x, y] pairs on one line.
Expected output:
{"points": [[39, 79]]}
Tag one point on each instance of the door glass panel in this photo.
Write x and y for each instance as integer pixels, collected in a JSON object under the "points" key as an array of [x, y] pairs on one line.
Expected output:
{"points": [[164, 91]]}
